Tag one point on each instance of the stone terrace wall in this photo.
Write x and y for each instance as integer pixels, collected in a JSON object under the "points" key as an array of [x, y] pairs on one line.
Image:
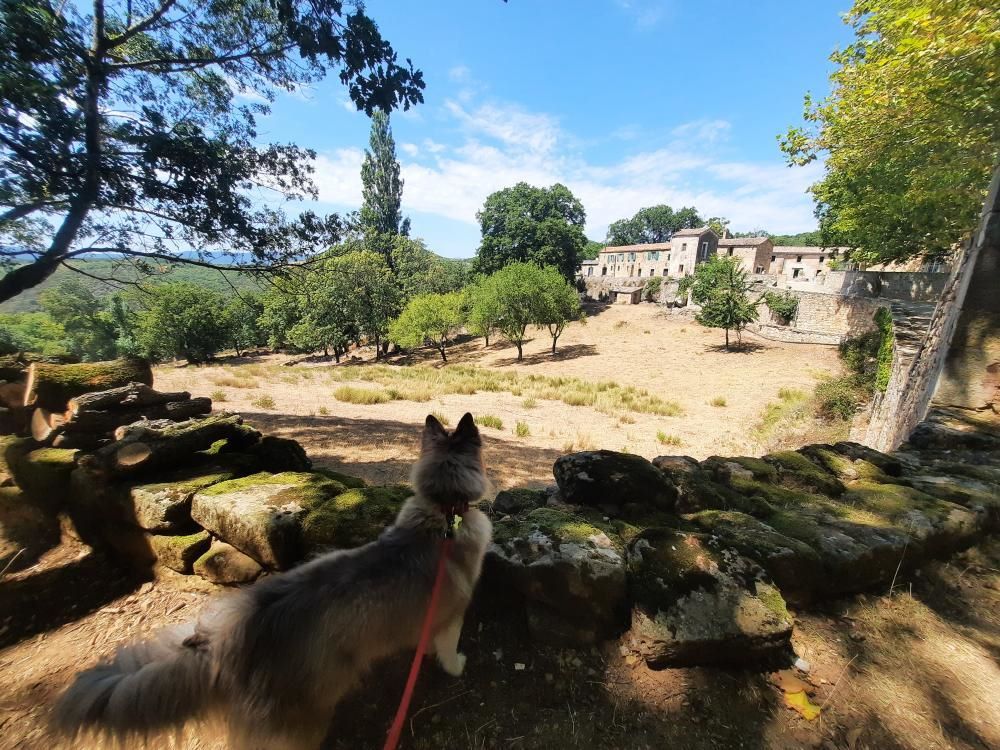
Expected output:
{"points": [[907, 286], [820, 319]]}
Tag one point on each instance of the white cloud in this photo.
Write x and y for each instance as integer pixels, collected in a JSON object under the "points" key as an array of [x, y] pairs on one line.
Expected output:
{"points": [[501, 144], [644, 13]]}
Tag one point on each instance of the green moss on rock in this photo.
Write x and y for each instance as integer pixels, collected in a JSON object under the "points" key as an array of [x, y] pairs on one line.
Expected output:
{"points": [[797, 471], [179, 553], [352, 518], [347, 480], [558, 525], [44, 475]]}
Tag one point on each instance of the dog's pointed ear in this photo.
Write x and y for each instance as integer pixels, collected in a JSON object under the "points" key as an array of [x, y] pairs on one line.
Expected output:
{"points": [[433, 431], [467, 430]]}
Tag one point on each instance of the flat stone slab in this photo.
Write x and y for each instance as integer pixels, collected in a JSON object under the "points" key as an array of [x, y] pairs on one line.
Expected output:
{"points": [[226, 565], [180, 552], [570, 571], [165, 507], [694, 605], [618, 484]]}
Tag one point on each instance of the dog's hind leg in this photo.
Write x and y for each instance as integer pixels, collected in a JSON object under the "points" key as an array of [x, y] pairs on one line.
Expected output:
{"points": [[446, 647]]}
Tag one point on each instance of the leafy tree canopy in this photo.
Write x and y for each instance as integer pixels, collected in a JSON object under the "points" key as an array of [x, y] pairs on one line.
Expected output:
{"points": [[523, 224], [911, 129], [722, 288], [592, 249], [122, 131], [652, 224], [429, 318], [381, 185], [182, 320], [558, 304], [89, 325]]}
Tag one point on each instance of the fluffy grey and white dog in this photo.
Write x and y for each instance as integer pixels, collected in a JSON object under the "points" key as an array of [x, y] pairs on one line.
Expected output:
{"points": [[270, 662]]}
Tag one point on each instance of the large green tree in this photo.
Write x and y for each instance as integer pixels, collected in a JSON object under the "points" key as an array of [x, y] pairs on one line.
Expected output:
{"points": [[911, 129], [652, 224], [89, 325], [381, 185], [523, 223], [122, 128], [182, 320], [558, 305], [429, 319]]}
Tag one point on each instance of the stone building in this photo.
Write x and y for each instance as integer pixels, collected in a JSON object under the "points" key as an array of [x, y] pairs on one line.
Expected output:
{"points": [[688, 248], [630, 261], [802, 263], [754, 252]]}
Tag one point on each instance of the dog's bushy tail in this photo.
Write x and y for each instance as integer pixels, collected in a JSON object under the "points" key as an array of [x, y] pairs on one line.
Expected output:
{"points": [[146, 687]]}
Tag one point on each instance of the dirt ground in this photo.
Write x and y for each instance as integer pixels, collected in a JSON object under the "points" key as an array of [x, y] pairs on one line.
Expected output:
{"points": [[669, 355], [915, 670]]}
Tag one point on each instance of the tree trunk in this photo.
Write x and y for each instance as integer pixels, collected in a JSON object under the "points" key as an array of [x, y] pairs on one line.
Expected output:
{"points": [[128, 396], [45, 425], [727, 339], [52, 386], [444, 358], [487, 338], [520, 354], [160, 444], [554, 340]]}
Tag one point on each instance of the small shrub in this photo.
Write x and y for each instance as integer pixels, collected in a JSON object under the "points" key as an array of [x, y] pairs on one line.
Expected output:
{"points": [[840, 398], [529, 403], [626, 419], [621, 324], [718, 401], [353, 395], [584, 442], [441, 418], [263, 401], [568, 447], [219, 395], [651, 289], [666, 439], [324, 412], [488, 420], [783, 305], [791, 394], [521, 429]]}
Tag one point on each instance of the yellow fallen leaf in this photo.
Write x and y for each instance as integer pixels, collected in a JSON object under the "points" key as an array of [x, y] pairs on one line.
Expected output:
{"points": [[801, 703]]}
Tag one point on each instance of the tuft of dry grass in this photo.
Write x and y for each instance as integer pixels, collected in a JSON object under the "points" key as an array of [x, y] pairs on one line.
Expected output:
{"points": [[441, 418], [218, 395], [488, 420], [522, 429], [263, 401], [324, 412], [529, 403], [230, 381], [666, 439], [352, 395], [719, 401]]}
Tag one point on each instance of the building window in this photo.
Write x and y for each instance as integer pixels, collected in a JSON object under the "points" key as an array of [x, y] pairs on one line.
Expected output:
{"points": [[821, 259], [729, 252], [650, 271], [796, 272], [590, 271], [684, 246], [759, 269], [664, 271], [680, 268], [798, 258], [774, 258], [604, 271]]}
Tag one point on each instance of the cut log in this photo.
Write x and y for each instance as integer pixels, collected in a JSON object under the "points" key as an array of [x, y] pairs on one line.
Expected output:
{"points": [[158, 444], [82, 441], [45, 425], [51, 386], [108, 421], [128, 396]]}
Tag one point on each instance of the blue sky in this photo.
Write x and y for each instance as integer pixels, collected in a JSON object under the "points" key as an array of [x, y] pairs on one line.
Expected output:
{"points": [[628, 102]]}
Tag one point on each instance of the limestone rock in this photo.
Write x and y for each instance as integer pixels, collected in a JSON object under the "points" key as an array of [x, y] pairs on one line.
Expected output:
{"points": [[519, 500], [798, 472], [164, 507], [225, 564], [180, 552], [694, 605], [261, 515], [351, 518], [676, 467], [570, 571], [619, 484]]}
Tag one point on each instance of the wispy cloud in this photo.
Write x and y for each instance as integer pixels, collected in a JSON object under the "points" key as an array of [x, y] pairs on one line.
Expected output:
{"points": [[502, 143], [646, 14]]}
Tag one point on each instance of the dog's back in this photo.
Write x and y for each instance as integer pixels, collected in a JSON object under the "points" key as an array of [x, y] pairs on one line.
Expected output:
{"points": [[274, 659]]}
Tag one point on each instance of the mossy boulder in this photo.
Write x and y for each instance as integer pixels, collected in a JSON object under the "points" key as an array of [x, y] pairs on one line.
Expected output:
{"points": [[844, 466], [570, 569], [26, 531], [345, 479], [741, 467], [164, 507], [694, 604], [180, 552], [519, 500], [619, 484], [262, 514], [798, 472], [44, 475], [794, 566], [352, 518], [278, 454], [676, 467], [226, 565], [979, 495], [889, 465]]}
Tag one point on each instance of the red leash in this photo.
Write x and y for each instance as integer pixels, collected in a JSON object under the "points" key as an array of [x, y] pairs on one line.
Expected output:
{"points": [[425, 636]]}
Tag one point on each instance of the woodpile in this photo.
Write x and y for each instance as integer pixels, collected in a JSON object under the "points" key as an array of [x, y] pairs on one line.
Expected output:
{"points": [[51, 386], [90, 419]]}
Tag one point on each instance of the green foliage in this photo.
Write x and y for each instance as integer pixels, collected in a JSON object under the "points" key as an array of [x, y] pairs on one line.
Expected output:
{"points": [[522, 224], [868, 359], [840, 398], [665, 439], [429, 318], [521, 429], [182, 320], [263, 401], [482, 305], [241, 316], [883, 359], [510, 300], [381, 185], [718, 401], [784, 305], [352, 395], [718, 224], [591, 250], [122, 125], [722, 289], [652, 224], [815, 238], [90, 329], [651, 289], [32, 332], [420, 271], [558, 305], [909, 133]]}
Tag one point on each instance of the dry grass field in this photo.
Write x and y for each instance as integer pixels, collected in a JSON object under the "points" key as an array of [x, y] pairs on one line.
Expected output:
{"points": [[631, 378]]}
